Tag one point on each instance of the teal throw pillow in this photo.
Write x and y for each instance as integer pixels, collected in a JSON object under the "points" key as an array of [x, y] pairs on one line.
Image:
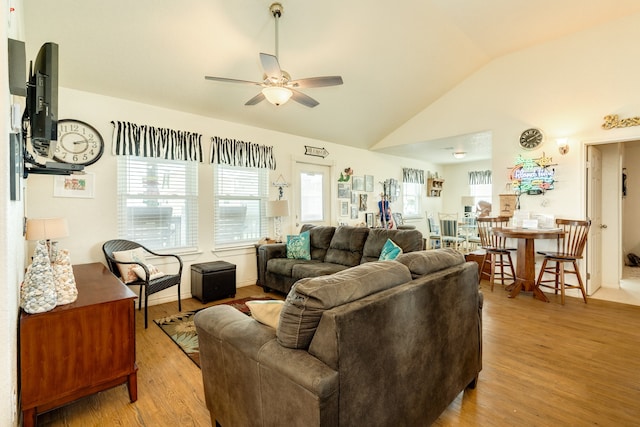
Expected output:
{"points": [[299, 247], [390, 251]]}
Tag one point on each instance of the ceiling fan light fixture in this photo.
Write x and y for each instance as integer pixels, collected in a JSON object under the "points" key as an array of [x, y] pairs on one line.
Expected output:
{"points": [[459, 154], [277, 95]]}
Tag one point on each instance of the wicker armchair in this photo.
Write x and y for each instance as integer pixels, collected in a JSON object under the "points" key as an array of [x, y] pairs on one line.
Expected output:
{"points": [[150, 285]]}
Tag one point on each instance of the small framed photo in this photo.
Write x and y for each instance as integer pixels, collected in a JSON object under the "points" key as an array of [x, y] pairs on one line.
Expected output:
{"points": [[354, 198], [357, 183], [354, 212], [369, 219], [363, 203], [344, 190], [79, 186], [368, 183], [344, 208]]}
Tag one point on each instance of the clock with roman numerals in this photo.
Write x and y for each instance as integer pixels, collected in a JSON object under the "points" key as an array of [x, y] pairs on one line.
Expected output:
{"points": [[531, 139], [79, 143]]}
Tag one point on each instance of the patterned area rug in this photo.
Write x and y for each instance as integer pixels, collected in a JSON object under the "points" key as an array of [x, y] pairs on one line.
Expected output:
{"points": [[181, 329]]}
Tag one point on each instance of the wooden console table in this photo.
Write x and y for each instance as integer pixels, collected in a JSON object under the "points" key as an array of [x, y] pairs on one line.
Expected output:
{"points": [[80, 348]]}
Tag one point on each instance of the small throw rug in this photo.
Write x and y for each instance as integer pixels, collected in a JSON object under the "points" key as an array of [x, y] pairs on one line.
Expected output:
{"points": [[181, 329]]}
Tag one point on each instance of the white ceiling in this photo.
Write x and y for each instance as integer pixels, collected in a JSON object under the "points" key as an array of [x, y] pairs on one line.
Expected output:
{"points": [[395, 58]]}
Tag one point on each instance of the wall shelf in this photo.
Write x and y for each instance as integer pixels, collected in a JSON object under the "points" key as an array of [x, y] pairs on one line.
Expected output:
{"points": [[434, 187]]}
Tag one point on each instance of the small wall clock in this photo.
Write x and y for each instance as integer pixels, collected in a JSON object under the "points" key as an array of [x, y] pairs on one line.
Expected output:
{"points": [[531, 139], [78, 143]]}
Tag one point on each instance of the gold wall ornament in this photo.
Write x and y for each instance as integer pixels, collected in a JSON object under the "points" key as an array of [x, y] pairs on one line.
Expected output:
{"points": [[613, 121]]}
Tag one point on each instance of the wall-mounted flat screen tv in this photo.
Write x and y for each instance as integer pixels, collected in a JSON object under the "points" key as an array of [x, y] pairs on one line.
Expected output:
{"points": [[42, 100]]}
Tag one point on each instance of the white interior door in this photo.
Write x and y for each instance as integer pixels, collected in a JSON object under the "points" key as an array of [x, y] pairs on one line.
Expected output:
{"points": [[594, 212], [313, 194]]}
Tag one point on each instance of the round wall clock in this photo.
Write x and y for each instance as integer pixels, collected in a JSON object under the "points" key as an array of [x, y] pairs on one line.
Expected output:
{"points": [[78, 143], [531, 139]]}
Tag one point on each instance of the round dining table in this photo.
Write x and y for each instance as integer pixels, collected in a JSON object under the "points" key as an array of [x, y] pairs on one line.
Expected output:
{"points": [[526, 257]]}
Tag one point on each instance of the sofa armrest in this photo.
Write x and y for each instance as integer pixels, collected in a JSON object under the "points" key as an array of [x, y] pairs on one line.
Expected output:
{"points": [[267, 252], [242, 361]]}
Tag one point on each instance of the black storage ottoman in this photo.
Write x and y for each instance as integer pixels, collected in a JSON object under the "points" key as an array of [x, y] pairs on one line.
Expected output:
{"points": [[213, 280]]}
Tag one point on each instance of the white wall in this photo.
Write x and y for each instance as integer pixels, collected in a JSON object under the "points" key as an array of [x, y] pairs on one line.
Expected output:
{"points": [[93, 221], [564, 87], [456, 184]]}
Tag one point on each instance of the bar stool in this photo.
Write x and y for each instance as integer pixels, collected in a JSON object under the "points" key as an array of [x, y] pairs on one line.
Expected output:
{"points": [[497, 255]]}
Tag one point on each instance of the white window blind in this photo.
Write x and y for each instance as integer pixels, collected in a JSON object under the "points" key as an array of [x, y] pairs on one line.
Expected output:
{"points": [[158, 202], [411, 199], [240, 197]]}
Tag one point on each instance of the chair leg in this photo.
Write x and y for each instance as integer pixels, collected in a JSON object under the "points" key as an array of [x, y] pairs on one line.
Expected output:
{"points": [[493, 270], [179, 302], [561, 268], [513, 272], [146, 302], [542, 270], [481, 272], [584, 294], [140, 298]]}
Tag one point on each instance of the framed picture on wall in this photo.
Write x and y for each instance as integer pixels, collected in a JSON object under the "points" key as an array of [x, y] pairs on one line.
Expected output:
{"points": [[354, 212], [344, 208], [369, 219], [344, 190], [368, 183], [354, 198], [363, 203], [357, 183], [80, 186]]}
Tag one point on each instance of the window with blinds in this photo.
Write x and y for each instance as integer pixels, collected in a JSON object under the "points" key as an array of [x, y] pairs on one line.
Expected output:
{"points": [[158, 202], [239, 211]]}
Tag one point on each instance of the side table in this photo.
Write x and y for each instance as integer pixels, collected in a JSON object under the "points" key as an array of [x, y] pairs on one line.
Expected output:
{"points": [[80, 348]]}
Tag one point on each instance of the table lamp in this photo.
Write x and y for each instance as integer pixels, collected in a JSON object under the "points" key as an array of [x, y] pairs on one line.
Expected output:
{"points": [[277, 209], [47, 229]]}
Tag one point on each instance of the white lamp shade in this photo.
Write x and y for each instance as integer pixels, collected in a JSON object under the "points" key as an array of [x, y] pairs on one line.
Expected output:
{"points": [[276, 208], [46, 228], [277, 95]]}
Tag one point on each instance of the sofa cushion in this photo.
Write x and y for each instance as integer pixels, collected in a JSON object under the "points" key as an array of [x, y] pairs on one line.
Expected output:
{"points": [[408, 240], [346, 245], [425, 262], [309, 298], [320, 238], [284, 266], [390, 251], [298, 247], [313, 269]]}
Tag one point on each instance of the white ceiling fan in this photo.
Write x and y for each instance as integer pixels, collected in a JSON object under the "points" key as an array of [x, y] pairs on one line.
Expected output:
{"points": [[277, 85]]}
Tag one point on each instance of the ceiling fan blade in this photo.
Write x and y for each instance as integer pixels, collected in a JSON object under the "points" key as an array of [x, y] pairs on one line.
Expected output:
{"points": [[303, 99], [256, 99], [316, 82], [226, 80], [271, 66]]}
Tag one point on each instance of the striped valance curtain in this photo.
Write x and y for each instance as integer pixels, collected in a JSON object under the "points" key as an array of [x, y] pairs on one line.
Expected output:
{"points": [[415, 176], [240, 153], [130, 139], [479, 177]]}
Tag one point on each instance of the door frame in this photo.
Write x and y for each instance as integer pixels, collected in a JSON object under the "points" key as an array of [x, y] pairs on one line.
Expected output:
{"points": [[333, 189], [618, 225]]}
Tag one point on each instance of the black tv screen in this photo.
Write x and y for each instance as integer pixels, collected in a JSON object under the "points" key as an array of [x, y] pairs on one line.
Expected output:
{"points": [[42, 100]]}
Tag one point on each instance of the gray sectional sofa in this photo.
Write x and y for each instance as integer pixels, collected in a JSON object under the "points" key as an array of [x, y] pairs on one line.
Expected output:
{"points": [[333, 249], [389, 343]]}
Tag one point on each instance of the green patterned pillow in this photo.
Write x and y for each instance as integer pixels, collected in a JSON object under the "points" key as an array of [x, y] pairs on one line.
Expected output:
{"points": [[390, 251], [299, 247]]}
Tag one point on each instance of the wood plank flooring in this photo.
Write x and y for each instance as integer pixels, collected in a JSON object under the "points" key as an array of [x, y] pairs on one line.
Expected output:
{"points": [[544, 364]]}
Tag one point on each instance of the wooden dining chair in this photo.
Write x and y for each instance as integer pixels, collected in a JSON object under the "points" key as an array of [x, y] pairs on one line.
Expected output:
{"points": [[570, 249], [497, 255]]}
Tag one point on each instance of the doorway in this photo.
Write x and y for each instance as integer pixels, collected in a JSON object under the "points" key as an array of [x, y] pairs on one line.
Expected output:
{"points": [[614, 231], [312, 198]]}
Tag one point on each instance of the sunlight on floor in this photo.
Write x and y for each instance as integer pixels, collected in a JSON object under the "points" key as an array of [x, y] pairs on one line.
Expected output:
{"points": [[629, 291]]}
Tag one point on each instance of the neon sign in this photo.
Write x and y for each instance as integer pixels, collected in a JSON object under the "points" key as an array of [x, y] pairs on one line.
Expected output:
{"points": [[532, 176]]}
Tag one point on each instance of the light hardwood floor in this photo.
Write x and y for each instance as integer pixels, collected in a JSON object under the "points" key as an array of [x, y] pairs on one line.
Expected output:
{"points": [[544, 364]]}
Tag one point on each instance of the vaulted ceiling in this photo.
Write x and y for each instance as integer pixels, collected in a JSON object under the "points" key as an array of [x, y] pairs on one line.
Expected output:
{"points": [[395, 58]]}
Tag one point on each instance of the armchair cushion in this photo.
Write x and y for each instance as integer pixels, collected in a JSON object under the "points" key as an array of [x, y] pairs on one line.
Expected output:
{"points": [[127, 270], [154, 272], [310, 297]]}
